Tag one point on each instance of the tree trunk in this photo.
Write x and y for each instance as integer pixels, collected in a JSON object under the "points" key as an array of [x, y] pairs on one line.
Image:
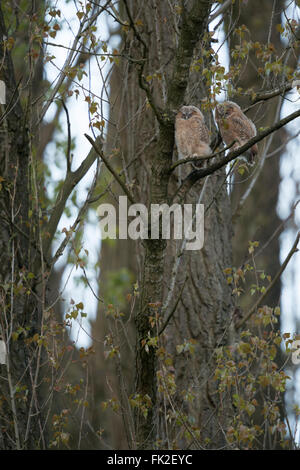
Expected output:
{"points": [[19, 312]]}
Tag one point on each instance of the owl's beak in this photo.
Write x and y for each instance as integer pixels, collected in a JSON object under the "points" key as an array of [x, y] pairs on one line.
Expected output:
{"points": [[186, 115]]}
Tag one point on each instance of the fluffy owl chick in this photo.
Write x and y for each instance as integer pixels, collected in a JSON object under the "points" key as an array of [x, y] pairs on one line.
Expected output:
{"points": [[234, 125], [191, 133]]}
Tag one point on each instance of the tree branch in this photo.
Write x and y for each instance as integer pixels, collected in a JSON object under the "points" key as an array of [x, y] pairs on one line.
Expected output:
{"points": [[84, 25], [141, 64], [293, 250], [89, 200], [196, 175], [110, 168], [72, 179], [267, 95], [68, 154], [199, 158], [220, 10]]}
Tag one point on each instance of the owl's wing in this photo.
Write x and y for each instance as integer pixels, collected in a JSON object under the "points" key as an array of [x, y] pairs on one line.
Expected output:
{"points": [[180, 136], [241, 127], [200, 129]]}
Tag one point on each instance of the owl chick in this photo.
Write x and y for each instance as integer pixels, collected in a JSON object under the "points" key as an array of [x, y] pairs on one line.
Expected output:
{"points": [[191, 133], [234, 125]]}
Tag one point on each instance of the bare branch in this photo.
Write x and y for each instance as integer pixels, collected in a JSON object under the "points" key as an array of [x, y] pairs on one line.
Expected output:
{"points": [[68, 154], [110, 168], [267, 95], [199, 158], [80, 215], [72, 179], [220, 10], [132, 25]]}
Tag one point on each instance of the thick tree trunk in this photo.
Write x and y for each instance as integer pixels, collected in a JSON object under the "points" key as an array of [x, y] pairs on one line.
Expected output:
{"points": [[18, 310]]}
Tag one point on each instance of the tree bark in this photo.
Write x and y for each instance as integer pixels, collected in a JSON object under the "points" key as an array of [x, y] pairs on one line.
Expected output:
{"points": [[19, 312]]}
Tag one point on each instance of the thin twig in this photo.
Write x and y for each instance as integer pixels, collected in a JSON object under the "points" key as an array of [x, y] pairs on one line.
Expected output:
{"points": [[68, 154]]}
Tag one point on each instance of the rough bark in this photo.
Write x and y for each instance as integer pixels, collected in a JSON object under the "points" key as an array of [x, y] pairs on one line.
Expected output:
{"points": [[16, 257]]}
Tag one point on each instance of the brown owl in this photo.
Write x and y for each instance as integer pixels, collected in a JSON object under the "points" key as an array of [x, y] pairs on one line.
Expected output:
{"points": [[234, 125], [191, 133]]}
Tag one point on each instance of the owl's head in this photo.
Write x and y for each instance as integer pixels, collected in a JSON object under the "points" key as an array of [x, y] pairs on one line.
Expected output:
{"points": [[225, 109], [186, 112]]}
